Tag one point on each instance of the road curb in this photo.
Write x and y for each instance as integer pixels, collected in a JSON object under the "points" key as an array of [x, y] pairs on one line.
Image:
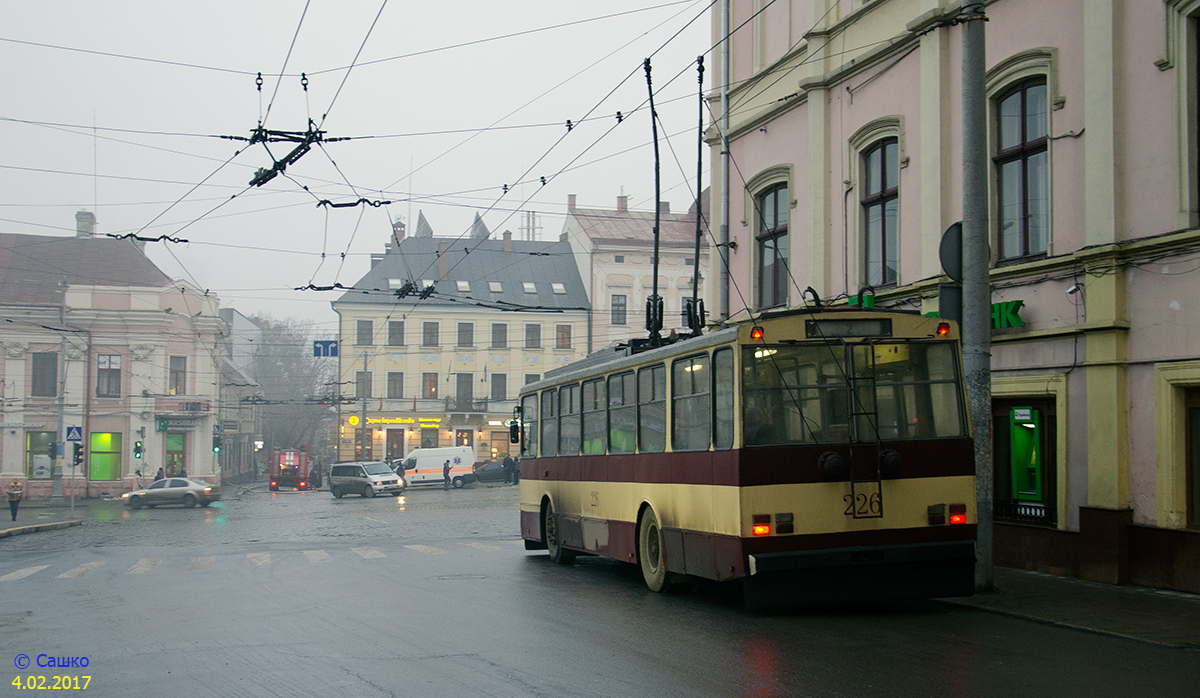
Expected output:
{"points": [[35, 528], [1072, 626]]}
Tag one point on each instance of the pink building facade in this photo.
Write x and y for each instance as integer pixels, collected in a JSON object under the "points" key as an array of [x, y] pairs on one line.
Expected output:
{"points": [[845, 139]]}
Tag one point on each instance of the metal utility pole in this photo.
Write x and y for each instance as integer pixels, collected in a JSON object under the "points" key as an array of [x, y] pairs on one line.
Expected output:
{"points": [[363, 386], [57, 492], [723, 247], [977, 290]]}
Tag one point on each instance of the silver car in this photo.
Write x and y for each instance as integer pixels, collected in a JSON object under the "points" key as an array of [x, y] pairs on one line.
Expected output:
{"points": [[174, 490], [366, 478]]}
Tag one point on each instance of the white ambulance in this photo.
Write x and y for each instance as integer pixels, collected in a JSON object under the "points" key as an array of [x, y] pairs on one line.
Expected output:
{"points": [[423, 466]]}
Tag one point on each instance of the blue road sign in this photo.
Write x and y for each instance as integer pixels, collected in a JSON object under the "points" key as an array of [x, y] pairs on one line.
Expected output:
{"points": [[325, 347], [74, 434]]}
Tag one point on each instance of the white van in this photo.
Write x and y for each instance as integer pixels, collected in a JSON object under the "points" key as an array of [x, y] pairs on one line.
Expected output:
{"points": [[423, 466]]}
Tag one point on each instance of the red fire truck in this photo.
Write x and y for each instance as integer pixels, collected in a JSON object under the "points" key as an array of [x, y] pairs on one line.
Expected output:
{"points": [[289, 470]]}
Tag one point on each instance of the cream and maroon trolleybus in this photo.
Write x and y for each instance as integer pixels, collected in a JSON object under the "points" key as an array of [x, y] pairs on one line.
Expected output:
{"points": [[818, 456]]}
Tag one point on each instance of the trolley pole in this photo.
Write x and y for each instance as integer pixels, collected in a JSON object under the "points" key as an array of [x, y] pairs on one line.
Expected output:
{"points": [[977, 291]]}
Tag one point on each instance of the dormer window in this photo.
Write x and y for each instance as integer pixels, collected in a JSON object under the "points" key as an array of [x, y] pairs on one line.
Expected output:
{"points": [[426, 283], [464, 286], [559, 288], [495, 287], [395, 283], [530, 287]]}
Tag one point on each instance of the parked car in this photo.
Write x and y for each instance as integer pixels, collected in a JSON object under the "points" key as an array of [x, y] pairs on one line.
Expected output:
{"points": [[490, 471], [173, 490]]}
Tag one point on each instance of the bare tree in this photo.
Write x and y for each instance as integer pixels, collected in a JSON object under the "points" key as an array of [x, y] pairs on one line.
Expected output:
{"points": [[296, 408]]}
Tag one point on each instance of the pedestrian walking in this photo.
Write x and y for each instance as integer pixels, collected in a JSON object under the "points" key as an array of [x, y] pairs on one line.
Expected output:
{"points": [[137, 480], [159, 475], [446, 475], [182, 471], [508, 469], [15, 494], [517, 470]]}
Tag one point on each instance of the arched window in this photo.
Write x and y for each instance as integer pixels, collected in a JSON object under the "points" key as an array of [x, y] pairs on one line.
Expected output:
{"points": [[1023, 169], [772, 246], [881, 212]]}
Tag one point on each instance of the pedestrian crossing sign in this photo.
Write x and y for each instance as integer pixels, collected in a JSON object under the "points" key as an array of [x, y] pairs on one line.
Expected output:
{"points": [[74, 434]]}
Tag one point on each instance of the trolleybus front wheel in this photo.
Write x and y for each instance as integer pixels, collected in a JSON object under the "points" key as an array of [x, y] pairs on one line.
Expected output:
{"points": [[650, 552], [553, 537]]}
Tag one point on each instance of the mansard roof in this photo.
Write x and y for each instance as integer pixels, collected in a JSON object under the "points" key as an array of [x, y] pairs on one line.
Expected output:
{"points": [[33, 267]]}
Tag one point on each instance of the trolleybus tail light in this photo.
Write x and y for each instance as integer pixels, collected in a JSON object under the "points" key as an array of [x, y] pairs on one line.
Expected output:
{"points": [[937, 514], [761, 525], [784, 524], [958, 513], [756, 334], [943, 329]]}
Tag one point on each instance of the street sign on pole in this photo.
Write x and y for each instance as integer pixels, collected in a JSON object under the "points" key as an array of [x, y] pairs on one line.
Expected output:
{"points": [[325, 347], [74, 434]]}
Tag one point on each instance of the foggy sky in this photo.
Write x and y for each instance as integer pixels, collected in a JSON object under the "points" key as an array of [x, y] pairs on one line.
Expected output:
{"points": [[452, 124]]}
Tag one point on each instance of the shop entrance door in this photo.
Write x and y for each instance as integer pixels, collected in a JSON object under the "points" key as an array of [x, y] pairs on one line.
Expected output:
{"points": [[176, 462], [395, 444]]}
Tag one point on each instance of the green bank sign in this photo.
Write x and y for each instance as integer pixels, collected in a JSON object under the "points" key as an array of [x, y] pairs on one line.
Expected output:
{"points": [[1006, 314]]}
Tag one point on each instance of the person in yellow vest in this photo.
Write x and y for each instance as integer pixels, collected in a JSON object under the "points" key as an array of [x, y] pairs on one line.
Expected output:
{"points": [[15, 494]]}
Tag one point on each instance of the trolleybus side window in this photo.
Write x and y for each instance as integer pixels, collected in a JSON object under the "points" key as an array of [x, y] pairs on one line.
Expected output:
{"points": [[529, 418], [622, 414], [691, 406], [652, 409], [723, 398], [595, 417], [549, 422], [568, 422]]}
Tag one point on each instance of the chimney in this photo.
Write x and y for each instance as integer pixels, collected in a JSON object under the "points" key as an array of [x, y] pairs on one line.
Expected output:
{"points": [[397, 232], [508, 238], [622, 204], [570, 202], [85, 224], [443, 261], [664, 207]]}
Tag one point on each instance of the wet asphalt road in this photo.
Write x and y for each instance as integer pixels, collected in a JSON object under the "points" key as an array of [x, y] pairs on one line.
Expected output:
{"points": [[432, 594]]}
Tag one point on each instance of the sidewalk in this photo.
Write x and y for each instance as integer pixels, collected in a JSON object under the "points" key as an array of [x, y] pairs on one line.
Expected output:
{"points": [[42, 515], [1168, 618]]}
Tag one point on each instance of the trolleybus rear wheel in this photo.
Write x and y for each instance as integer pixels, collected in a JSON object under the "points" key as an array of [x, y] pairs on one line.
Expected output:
{"points": [[650, 552], [553, 537]]}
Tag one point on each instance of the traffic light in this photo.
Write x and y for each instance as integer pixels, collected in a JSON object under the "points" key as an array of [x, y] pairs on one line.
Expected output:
{"points": [[77, 457], [137, 449], [216, 444]]}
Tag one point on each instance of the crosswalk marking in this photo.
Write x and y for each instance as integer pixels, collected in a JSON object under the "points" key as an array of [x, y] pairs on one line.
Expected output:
{"points": [[80, 570], [368, 553], [144, 565], [259, 559], [316, 555], [483, 546], [426, 549], [21, 574], [202, 563]]}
